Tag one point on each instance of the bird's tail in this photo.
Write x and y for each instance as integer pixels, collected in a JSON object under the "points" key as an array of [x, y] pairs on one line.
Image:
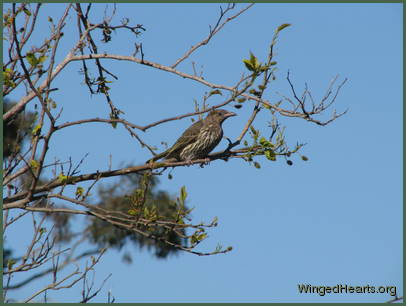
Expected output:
{"points": [[156, 157]]}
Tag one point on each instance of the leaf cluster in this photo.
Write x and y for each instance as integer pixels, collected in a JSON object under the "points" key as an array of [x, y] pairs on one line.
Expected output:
{"points": [[131, 196]]}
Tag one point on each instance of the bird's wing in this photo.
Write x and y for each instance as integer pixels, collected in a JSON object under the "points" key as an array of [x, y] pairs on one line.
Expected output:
{"points": [[189, 136]]}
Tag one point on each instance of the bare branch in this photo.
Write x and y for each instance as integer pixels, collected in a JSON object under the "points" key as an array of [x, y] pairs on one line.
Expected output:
{"points": [[61, 284], [122, 121], [213, 31]]}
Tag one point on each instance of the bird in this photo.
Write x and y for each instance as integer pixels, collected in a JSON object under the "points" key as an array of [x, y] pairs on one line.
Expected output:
{"points": [[199, 139]]}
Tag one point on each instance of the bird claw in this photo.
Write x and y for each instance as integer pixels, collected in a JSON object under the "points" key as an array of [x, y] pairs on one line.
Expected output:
{"points": [[205, 163]]}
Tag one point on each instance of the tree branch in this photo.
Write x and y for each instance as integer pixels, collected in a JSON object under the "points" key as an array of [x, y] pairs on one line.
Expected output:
{"points": [[213, 31]]}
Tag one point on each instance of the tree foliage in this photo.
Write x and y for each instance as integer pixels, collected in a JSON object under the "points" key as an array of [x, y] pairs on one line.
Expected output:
{"points": [[127, 196], [16, 131]]}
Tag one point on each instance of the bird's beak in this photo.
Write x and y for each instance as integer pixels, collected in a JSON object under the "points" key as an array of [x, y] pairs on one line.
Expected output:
{"points": [[230, 114]]}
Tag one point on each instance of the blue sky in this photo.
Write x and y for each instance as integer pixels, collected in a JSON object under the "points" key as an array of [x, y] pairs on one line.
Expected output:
{"points": [[336, 219]]}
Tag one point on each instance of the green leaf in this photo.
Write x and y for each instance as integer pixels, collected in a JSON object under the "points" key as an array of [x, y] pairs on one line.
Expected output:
{"points": [[63, 178], [265, 143], [42, 59], [51, 103], [252, 64], [79, 191], [215, 92], [252, 129], [264, 68], [7, 77], [257, 165], [187, 212], [27, 12], [241, 100], [255, 92], [32, 60], [249, 65], [146, 212], [254, 60], [304, 158], [269, 154], [183, 194], [113, 117], [273, 63], [34, 164], [36, 130], [201, 237], [282, 26], [255, 133], [10, 264], [198, 236]]}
